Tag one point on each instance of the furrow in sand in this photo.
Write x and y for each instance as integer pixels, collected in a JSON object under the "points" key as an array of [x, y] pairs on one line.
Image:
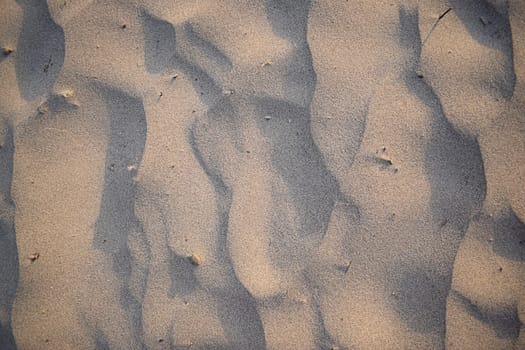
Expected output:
{"points": [[9, 253]]}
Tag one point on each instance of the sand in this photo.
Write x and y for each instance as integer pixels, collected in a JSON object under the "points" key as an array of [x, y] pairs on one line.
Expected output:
{"points": [[277, 174]]}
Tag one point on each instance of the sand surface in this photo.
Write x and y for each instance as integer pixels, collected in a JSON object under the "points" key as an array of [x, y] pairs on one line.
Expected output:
{"points": [[262, 174]]}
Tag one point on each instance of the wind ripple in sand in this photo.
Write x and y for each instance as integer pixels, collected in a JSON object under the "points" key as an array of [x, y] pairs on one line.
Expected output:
{"points": [[40, 50], [347, 174]]}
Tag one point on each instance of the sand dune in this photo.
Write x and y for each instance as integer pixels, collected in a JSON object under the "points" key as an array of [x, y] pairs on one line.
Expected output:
{"points": [[273, 174]]}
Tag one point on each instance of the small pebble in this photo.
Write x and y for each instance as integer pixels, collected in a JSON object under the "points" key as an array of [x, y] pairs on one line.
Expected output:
{"points": [[33, 257], [7, 50], [267, 117], [195, 259]]}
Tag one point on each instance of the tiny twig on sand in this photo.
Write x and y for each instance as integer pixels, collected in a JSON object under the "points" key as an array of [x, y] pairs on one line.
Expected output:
{"points": [[435, 24], [444, 14]]}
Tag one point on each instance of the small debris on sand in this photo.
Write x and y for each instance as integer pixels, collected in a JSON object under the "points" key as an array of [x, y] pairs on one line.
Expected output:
{"points": [[348, 266], [7, 50], [48, 65], [266, 63], [43, 108], [383, 161], [33, 257], [67, 93], [268, 117], [484, 21], [444, 13], [195, 259]]}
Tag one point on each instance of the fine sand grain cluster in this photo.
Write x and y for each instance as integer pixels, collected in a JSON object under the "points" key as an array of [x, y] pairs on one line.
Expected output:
{"points": [[262, 174]]}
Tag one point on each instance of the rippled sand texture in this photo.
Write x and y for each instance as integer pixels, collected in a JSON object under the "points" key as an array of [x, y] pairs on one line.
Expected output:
{"points": [[272, 174]]}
